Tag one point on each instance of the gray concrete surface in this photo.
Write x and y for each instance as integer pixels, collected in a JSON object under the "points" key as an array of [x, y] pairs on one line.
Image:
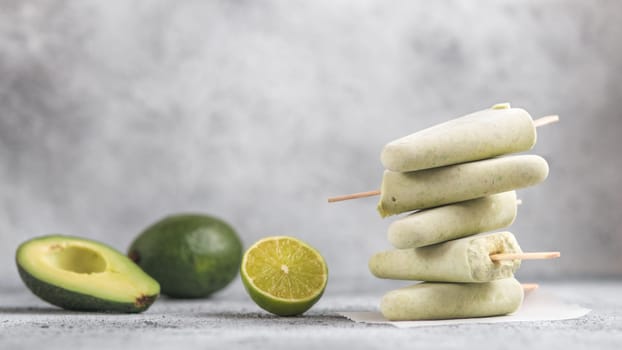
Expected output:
{"points": [[231, 321]]}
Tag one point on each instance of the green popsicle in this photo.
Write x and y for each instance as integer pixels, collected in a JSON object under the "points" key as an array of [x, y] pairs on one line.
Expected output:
{"points": [[462, 260], [431, 301], [402, 192], [451, 221], [480, 135]]}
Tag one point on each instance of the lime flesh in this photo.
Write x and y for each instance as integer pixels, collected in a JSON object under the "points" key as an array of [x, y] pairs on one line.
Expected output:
{"points": [[284, 275]]}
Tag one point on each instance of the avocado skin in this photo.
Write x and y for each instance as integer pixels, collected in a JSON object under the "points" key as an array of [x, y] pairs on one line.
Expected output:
{"points": [[77, 301], [174, 253]]}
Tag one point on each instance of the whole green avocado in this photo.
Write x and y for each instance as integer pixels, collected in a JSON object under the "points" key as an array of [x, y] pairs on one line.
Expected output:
{"points": [[190, 255]]}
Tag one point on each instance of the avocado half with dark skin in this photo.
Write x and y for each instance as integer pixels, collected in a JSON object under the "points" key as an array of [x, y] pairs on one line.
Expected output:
{"points": [[80, 274]]}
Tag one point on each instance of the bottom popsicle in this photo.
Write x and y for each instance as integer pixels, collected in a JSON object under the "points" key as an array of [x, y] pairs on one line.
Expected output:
{"points": [[435, 301]]}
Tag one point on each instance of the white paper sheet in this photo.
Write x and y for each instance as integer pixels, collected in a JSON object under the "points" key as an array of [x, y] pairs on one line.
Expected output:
{"points": [[537, 306]]}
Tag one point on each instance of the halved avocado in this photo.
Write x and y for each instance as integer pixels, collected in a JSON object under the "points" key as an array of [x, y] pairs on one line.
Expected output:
{"points": [[80, 274]]}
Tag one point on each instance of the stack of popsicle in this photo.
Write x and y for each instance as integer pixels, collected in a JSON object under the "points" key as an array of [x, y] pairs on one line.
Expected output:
{"points": [[460, 182]]}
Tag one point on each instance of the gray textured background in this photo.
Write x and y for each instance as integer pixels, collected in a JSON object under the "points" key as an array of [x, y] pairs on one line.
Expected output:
{"points": [[113, 114]]}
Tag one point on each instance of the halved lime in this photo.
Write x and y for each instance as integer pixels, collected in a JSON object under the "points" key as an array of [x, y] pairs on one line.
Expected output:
{"points": [[284, 275]]}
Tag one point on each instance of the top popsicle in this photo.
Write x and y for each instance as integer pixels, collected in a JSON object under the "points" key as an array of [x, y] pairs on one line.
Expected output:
{"points": [[480, 135]]}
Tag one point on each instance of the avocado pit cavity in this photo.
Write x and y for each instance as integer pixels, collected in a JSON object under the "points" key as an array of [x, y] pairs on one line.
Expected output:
{"points": [[77, 259]]}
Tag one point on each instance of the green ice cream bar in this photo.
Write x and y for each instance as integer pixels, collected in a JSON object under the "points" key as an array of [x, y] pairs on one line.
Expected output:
{"points": [[463, 260], [451, 221], [433, 301], [480, 135], [402, 192]]}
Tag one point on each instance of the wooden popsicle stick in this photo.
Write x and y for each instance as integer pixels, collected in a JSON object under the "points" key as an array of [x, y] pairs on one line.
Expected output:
{"points": [[346, 197], [354, 196], [525, 256], [528, 287], [549, 119]]}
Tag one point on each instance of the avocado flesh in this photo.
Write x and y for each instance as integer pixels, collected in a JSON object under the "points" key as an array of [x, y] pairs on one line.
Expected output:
{"points": [[80, 274]]}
